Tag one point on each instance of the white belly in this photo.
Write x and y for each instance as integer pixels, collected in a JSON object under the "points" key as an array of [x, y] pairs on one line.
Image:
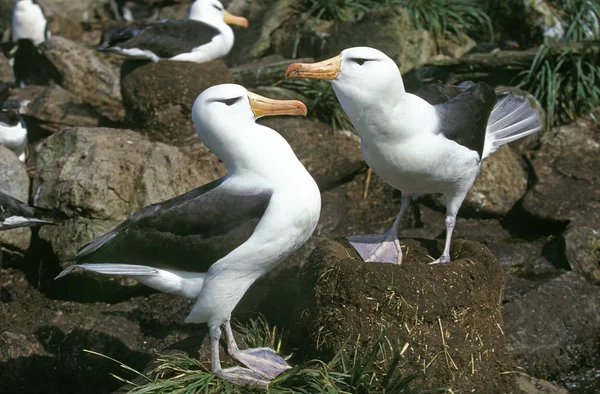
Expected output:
{"points": [[421, 165]]}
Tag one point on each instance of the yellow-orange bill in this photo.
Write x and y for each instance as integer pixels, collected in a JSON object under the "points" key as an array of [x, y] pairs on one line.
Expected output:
{"points": [[231, 19], [327, 69], [263, 106]]}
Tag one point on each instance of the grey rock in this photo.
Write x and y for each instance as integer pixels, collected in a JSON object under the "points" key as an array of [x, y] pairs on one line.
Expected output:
{"points": [[85, 75], [530, 385], [567, 167], [501, 183], [331, 157], [6, 72], [6, 7], [158, 97], [105, 175], [280, 12], [15, 182], [264, 73], [556, 328], [53, 108], [583, 251]]}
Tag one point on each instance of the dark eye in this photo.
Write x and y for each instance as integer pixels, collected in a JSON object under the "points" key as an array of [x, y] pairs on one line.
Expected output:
{"points": [[231, 101], [360, 61], [217, 7]]}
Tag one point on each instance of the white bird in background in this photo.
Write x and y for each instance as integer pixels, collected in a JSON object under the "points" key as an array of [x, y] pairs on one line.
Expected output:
{"points": [[29, 22], [213, 242], [203, 37], [13, 130], [429, 142]]}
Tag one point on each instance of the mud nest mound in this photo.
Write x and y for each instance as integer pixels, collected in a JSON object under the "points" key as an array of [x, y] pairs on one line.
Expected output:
{"points": [[445, 319]]}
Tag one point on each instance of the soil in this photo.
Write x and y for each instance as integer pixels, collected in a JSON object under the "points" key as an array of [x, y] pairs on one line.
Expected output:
{"points": [[344, 300]]}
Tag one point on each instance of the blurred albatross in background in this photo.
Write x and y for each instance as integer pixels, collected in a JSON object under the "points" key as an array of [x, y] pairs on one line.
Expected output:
{"points": [[203, 37], [429, 142], [213, 242]]}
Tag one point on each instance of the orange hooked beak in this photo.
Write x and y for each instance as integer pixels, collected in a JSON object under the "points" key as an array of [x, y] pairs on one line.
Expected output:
{"points": [[263, 106], [231, 19], [327, 69]]}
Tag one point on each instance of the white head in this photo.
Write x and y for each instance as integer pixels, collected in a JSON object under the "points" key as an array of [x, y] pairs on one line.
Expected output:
{"points": [[361, 77], [213, 13], [225, 120]]}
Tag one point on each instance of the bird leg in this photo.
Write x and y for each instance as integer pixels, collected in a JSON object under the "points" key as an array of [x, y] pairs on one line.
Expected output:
{"points": [[381, 248], [236, 375], [263, 361], [450, 223]]}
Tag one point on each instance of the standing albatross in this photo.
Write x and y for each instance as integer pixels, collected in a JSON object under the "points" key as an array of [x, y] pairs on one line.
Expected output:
{"points": [[203, 37], [213, 242], [429, 142]]}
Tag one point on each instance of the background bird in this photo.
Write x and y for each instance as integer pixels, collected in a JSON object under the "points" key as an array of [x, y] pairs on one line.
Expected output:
{"points": [[429, 142], [14, 213], [203, 37], [13, 130], [213, 242]]}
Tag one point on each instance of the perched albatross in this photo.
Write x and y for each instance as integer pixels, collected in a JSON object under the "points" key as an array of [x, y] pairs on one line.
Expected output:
{"points": [[15, 213], [213, 242], [429, 142], [203, 37]]}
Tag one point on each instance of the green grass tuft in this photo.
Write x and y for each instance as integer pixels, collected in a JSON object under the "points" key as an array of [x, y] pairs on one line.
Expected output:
{"points": [[567, 82], [371, 369], [437, 16]]}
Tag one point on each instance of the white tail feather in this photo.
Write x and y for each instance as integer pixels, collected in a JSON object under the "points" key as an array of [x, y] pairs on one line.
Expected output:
{"points": [[512, 118], [113, 269]]}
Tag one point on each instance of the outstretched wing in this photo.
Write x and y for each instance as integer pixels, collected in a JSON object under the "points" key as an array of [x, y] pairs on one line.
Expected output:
{"points": [[165, 38], [188, 233], [463, 111]]}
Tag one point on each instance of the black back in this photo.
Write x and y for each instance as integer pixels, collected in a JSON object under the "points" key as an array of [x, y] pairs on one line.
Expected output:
{"points": [[10, 206], [31, 67], [165, 38], [463, 113], [189, 232]]}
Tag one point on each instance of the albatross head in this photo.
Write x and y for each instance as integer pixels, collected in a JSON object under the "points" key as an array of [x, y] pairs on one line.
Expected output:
{"points": [[361, 77], [213, 13], [224, 117]]}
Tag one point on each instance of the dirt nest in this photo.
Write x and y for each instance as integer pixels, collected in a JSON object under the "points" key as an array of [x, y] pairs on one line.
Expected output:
{"points": [[447, 318]]}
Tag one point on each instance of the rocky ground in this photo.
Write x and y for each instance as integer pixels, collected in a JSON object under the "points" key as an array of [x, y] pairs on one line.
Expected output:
{"points": [[108, 138]]}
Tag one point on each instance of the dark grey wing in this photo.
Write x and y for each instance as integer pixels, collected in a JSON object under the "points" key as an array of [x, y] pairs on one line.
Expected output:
{"points": [[189, 232], [165, 38], [464, 117], [438, 93], [10, 206]]}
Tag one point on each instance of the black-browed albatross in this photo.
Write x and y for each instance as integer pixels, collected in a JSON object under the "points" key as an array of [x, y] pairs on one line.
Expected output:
{"points": [[429, 144], [203, 37], [14, 213], [213, 242]]}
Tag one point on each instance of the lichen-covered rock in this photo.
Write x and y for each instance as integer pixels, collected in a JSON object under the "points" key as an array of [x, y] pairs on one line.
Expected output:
{"points": [[448, 316], [501, 183], [583, 251], [556, 328], [84, 74], [331, 157], [567, 168], [530, 385], [14, 182], [158, 97], [96, 174]]}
